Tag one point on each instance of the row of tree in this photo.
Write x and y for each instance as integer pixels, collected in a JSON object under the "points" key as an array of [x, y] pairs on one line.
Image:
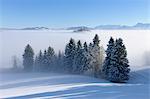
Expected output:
{"points": [[83, 58]]}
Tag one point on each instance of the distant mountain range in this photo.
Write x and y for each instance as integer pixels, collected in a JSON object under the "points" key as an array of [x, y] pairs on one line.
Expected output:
{"points": [[84, 28], [35, 28], [137, 26], [79, 29]]}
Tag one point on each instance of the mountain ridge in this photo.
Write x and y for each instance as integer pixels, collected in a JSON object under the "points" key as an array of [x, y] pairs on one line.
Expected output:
{"points": [[76, 28]]}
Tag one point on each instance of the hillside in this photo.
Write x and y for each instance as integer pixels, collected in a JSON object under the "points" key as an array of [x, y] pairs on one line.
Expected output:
{"points": [[64, 86]]}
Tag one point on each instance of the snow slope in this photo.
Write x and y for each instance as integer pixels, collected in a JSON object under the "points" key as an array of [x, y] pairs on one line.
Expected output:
{"points": [[64, 86]]}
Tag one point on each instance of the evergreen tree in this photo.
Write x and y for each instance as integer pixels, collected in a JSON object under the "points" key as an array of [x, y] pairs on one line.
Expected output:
{"points": [[96, 56], [86, 58], [60, 62], [50, 57], [96, 40], [102, 57], [15, 65], [50, 52], [28, 58], [119, 69], [107, 64], [35, 67], [85, 46], [78, 59], [39, 62], [116, 67], [69, 55], [45, 62]]}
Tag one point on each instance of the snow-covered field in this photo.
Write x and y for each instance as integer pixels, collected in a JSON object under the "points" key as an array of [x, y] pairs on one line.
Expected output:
{"points": [[64, 86]]}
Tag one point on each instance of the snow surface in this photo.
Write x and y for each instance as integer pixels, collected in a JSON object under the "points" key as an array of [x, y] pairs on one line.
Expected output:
{"points": [[64, 86]]}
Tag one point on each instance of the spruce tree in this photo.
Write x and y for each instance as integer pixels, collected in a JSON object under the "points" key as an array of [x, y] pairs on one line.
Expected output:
{"points": [[50, 57], [85, 46], [107, 64], [119, 69], [86, 58], [35, 67], [45, 66], [15, 65], [78, 59], [39, 62], [116, 67], [69, 55], [96, 40], [96, 55], [28, 58], [60, 62], [102, 57]]}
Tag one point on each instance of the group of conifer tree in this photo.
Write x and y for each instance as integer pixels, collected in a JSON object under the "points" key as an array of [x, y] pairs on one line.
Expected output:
{"points": [[83, 58]]}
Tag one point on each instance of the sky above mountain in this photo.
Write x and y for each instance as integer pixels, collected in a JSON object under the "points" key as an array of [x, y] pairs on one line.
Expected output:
{"points": [[64, 13]]}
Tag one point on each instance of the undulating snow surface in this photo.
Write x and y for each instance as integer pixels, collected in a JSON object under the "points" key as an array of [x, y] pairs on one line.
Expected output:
{"points": [[64, 86], [12, 42]]}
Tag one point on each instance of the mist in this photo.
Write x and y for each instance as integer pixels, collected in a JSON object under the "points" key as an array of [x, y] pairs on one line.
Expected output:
{"points": [[13, 42]]}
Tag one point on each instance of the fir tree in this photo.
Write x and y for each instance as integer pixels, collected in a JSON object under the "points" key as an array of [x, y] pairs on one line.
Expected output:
{"points": [[96, 40], [119, 69], [45, 62], [60, 62], [85, 46], [28, 58], [39, 62], [96, 55], [35, 68], [86, 58], [107, 60], [15, 65], [50, 58], [69, 55], [78, 59], [102, 57], [116, 67]]}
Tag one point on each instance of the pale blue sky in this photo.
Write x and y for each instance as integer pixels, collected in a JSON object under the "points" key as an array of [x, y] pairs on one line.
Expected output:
{"points": [[64, 13]]}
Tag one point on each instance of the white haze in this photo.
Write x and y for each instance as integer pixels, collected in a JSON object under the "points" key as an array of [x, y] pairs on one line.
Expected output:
{"points": [[12, 42]]}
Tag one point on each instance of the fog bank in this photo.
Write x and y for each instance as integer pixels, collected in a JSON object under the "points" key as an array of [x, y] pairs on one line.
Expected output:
{"points": [[12, 42]]}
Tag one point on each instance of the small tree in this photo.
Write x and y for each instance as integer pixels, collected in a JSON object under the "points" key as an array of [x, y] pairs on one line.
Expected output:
{"points": [[28, 58], [50, 57], [59, 62], [38, 62], [15, 64], [45, 62]]}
